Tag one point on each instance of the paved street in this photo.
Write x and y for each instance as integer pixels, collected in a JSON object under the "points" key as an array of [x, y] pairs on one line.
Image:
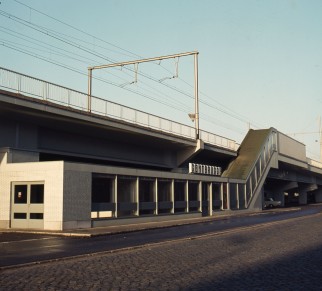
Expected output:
{"points": [[284, 255], [21, 248]]}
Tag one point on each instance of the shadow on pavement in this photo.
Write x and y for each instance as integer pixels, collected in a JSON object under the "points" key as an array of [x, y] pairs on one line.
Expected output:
{"points": [[299, 272]]}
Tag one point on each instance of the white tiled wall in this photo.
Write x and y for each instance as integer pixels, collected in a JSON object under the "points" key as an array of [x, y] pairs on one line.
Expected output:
{"points": [[51, 173]]}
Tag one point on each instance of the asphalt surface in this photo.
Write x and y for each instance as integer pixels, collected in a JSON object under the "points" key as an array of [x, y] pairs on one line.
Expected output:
{"points": [[22, 248], [284, 254]]}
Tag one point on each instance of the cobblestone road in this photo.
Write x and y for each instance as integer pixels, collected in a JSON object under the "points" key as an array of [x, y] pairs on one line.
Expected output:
{"points": [[281, 256]]}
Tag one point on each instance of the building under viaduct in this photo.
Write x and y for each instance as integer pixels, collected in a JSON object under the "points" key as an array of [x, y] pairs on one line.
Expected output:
{"points": [[65, 163]]}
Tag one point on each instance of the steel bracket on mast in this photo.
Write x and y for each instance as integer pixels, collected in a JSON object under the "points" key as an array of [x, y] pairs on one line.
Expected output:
{"points": [[136, 62]]}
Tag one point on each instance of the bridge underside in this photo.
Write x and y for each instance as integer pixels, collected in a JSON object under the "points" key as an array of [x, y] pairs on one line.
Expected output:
{"points": [[293, 186], [60, 133]]}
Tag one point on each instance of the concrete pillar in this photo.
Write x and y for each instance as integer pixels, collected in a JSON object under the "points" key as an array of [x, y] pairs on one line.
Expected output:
{"points": [[318, 195], [237, 195], [302, 197], [156, 211], [200, 196], [137, 200], [245, 196], [222, 196], [115, 196], [209, 188], [186, 189], [172, 195], [228, 196]]}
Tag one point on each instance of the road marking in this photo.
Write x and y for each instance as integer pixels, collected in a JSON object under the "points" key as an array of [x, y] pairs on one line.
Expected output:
{"points": [[25, 240], [51, 246]]}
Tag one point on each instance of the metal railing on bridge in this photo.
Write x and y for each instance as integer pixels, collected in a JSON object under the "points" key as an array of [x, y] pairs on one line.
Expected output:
{"points": [[39, 89]]}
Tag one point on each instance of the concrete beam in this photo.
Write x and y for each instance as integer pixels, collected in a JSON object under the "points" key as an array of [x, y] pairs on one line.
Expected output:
{"points": [[190, 152], [308, 187], [21, 156], [287, 186]]}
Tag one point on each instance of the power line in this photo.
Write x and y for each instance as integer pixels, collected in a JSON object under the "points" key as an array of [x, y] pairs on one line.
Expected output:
{"points": [[29, 38], [46, 32], [82, 73], [54, 35], [234, 114], [84, 32], [182, 105], [57, 53], [75, 28], [226, 111]]}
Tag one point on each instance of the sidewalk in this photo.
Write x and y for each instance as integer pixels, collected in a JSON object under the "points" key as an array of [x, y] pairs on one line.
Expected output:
{"points": [[117, 229]]}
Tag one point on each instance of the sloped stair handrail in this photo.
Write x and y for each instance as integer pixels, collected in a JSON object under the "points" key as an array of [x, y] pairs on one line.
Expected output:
{"points": [[260, 166]]}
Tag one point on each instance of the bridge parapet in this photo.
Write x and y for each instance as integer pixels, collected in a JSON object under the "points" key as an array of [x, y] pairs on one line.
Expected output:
{"points": [[50, 92], [291, 148], [314, 163]]}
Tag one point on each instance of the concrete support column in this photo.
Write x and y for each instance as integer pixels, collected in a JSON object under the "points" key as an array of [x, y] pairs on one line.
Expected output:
{"points": [[318, 195], [245, 195], [228, 196], [200, 195], [237, 196], [137, 200], [156, 211], [187, 196], [209, 188], [302, 197], [115, 196], [172, 195]]}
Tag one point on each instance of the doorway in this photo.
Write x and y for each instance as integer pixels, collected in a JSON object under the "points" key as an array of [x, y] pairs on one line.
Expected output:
{"points": [[27, 205]]}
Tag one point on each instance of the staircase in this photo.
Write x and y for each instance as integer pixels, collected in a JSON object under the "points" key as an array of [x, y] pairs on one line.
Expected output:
{"points": [[255, 158]]}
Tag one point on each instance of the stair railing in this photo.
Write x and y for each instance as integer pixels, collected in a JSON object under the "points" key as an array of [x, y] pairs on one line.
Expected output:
{"points": [[259, 167]]}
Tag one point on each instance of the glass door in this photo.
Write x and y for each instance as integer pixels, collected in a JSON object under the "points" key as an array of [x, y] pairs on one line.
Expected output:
{"points": [[27, 209]]}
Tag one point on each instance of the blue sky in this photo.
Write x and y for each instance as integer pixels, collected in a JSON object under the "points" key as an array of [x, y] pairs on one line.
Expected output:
{"points": [[260, 62]]}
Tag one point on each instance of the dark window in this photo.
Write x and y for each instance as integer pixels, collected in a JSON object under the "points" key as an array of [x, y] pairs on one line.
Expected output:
{"points": [[193, 190], [205, 191], [36, 216], [20, 194], [126, 188], [37, 194], [102, 190], [179, 190], [146, 190], [164, 190], [19, 215]]}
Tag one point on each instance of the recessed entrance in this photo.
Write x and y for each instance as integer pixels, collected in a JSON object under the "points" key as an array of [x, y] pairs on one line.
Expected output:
{"points": [[27, 205]]}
